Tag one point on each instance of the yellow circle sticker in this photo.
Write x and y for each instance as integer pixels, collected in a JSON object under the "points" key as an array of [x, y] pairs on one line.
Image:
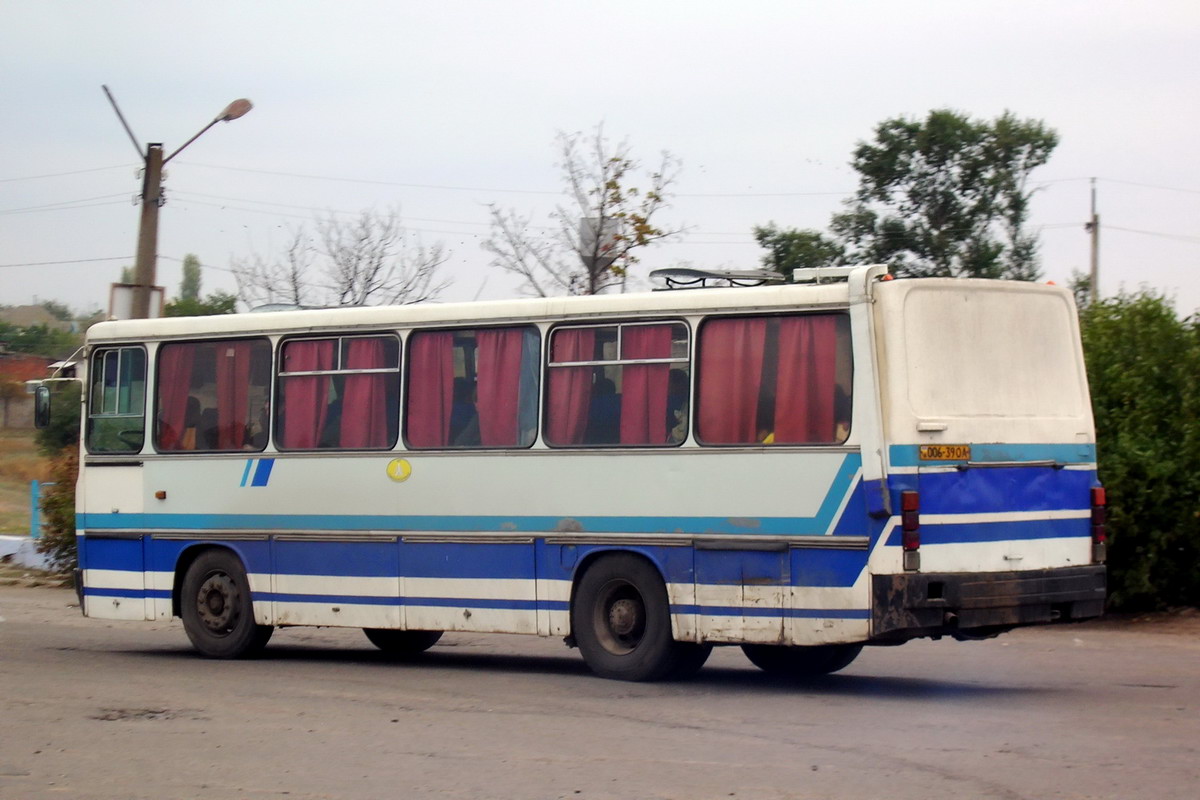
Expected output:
{"points": [[398, 469]]}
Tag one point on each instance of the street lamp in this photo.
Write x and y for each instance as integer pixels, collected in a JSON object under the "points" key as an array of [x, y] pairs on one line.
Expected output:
{"points": [[147, 246]]}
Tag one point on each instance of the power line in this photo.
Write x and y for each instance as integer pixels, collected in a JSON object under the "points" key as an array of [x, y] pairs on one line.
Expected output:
{"points": [[72, 172], [445, 187], [372, 182], [75, 261], [1176, 236], [62, 203], [1151, 186], [203, 265]]}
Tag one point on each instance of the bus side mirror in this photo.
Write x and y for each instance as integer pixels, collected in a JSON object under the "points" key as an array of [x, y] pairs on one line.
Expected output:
{"points": [[41, 406]]}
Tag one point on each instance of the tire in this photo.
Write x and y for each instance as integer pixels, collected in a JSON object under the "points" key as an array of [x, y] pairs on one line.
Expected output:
{"points": [[621, 620], [217, 612], [402, 644], [801, 662], [689, 658]]}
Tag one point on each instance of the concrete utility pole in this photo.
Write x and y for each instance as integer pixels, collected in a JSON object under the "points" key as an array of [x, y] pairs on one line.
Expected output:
{"points": [[145, 267], [1094, 228]]}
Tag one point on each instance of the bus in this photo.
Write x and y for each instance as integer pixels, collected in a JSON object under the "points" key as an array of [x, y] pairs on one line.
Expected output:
{"points": [[799, 470]]}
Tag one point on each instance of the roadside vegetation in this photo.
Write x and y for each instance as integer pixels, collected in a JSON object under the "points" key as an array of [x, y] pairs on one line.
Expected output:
{"points": [[1143, 365]]}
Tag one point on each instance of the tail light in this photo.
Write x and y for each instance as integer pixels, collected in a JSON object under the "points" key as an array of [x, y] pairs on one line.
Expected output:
{"points": [[910, 528], [1099, 524]]}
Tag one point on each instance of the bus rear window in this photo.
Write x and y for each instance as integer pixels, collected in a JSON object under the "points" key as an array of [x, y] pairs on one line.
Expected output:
{"points": [[775, 380]]}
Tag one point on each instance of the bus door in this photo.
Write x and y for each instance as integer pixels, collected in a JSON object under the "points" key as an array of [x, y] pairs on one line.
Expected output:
{"points": [[112, 492]]}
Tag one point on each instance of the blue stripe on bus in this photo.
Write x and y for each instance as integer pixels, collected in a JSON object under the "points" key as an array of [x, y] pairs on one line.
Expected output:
{"points": [[1000, 531], [135, 594], [1000, 489], [262, 473], [759, 611], [246, 471], [501, 605], [907, 455]]}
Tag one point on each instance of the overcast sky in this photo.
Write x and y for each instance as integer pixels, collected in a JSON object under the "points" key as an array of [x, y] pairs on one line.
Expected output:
{"points": [[441, 108]]}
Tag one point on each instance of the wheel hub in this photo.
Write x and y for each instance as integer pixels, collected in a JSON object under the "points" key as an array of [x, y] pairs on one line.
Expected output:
{"points": [[624, 616], [217, 602]]}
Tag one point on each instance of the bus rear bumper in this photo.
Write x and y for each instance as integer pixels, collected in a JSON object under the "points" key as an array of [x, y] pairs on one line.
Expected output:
{"points": [[975, 605]]}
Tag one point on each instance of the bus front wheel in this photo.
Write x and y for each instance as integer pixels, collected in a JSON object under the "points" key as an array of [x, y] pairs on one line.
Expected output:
{"points": [[621, 620], [402, 644], [217, 612], [799, 662]]}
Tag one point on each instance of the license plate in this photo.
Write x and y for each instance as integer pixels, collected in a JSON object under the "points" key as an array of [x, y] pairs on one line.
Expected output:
{"points": [[945, 452]]}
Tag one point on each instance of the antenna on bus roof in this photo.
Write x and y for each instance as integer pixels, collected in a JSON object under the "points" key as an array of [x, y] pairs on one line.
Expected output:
{"points": [[690, 278]]}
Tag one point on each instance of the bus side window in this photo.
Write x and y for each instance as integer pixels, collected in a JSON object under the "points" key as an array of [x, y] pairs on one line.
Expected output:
{"points": [[117, 401], [617, 385], [774, 380], [339, 393], [473, 387], [206, 394]]}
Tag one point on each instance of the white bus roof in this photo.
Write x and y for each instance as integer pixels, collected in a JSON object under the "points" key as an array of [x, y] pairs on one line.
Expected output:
{"points": [[530, 309]]}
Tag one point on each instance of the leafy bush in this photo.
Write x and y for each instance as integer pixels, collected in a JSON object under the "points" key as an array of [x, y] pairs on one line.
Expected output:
{"points": [[1143, 366], [58, 512]]}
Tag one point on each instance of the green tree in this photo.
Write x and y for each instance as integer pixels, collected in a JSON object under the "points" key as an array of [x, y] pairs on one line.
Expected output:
{"points": [[215, 303], [1143, 367], [61, 311], [797, 249], [40, 340], [189, 288], [945, 196]]}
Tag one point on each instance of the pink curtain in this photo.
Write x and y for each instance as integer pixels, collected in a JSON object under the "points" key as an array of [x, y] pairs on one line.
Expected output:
{"points": [[731, 362], [364, 403], [644, 386], [805, 385], [430, 389], [569, 389], [305, 397], [498, 384], [233, 393], [174, 382]]}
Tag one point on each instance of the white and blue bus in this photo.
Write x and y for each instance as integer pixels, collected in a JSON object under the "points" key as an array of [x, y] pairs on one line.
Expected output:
{"points": [[800, 470]]}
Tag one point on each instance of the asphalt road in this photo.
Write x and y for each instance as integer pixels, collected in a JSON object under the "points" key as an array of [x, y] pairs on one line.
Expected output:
{"points": [[94, 709]]}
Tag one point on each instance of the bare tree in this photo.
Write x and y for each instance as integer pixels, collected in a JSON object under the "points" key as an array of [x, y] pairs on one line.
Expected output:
{"points": [[284, 281], [365, 261], [596, 231]]}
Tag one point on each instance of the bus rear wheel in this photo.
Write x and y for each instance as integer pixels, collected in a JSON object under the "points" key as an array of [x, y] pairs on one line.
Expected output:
{"points": [[217, 612], [402, 644], [621, 621], [800, 662]]}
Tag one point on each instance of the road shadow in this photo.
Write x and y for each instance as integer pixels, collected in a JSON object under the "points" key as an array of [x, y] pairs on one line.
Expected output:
{"points": [[457, 658]]}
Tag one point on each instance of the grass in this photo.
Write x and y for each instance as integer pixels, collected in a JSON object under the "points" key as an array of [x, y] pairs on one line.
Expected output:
{"points": [[20, 463]]}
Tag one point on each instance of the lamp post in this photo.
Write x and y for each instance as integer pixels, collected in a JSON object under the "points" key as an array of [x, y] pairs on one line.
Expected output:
{"points": [[147, 245]]}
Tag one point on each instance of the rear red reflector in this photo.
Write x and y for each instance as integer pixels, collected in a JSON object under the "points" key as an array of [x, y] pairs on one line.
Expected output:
{"points": [[910, 520], [1099, 518]]}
